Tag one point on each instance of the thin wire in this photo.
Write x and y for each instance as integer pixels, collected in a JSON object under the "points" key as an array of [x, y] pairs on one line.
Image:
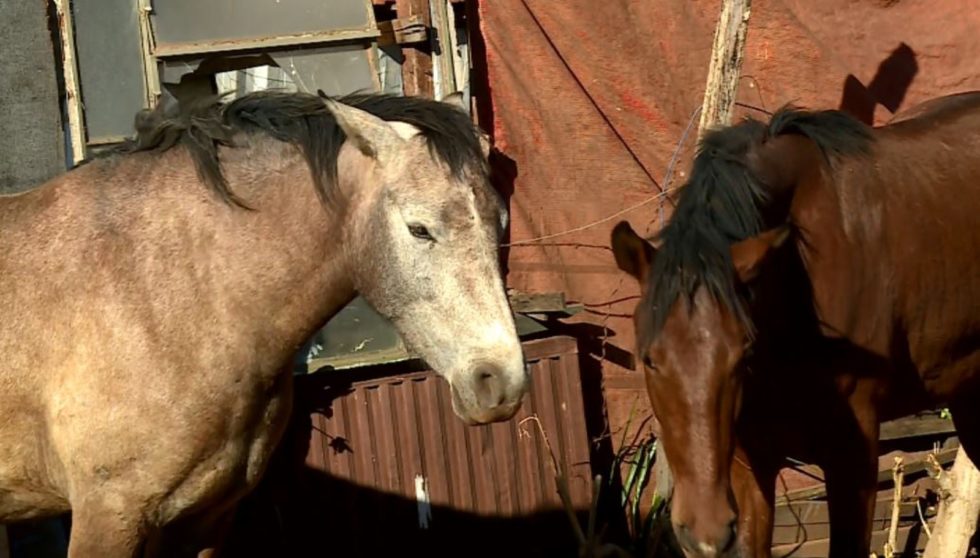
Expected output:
{"points": [[668, 175], [754, 84], [588, 96], [258, 77], [593, 224]]}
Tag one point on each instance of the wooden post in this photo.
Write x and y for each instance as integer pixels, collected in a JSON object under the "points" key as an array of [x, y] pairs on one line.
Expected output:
{"points": [[73, 100], [958, 510], [898, 476], [716, 110], [726, 64], [151, 74], [441, 39], [417, 66]]}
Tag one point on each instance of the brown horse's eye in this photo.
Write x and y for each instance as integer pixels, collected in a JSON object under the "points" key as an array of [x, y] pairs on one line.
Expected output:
{"points": [[419, 231], [648, 363]]}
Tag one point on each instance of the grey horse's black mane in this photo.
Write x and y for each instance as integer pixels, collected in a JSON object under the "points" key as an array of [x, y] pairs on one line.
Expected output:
{"points": [[303, 120]]}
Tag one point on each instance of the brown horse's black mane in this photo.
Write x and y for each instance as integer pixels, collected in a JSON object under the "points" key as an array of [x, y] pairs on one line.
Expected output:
{"points": [[301, 119], [723, 203]]}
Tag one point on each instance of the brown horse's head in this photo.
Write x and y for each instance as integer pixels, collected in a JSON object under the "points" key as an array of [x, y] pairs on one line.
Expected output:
{"points": [[422, 234], [694, 369], [694, 322]]}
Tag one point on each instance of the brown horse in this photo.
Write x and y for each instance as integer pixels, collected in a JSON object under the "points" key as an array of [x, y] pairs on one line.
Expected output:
{"points": [[817, 277], [152, 299]]}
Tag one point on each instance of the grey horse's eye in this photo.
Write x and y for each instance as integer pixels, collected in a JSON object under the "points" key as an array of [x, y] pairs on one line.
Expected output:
{"points": [[419, 231]]}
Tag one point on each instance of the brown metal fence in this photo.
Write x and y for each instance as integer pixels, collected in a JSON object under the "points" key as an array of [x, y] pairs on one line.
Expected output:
{"points": [[389, 469], [399, 435]]}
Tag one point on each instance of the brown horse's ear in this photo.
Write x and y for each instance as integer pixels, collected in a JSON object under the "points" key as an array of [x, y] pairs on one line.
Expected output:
{"points": [[748, 255], [634, 255]]}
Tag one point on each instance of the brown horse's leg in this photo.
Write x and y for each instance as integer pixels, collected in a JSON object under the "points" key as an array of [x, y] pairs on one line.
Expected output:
{"points": [[966, 418], [753, 483], [851, 469]]}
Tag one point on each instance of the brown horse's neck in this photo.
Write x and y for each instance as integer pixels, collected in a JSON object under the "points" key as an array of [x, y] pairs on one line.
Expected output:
{"points": [[782, 164], [891, 242]]}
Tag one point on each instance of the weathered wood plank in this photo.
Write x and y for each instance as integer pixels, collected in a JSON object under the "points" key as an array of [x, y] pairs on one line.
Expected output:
{"points": [[417, 67], [958, 511], [444, 74], [914, 426], [727, 53], [810, 512], [820, 548], [944, 457], [402, 31], [537, 302], [73, 95], [813, 522]]}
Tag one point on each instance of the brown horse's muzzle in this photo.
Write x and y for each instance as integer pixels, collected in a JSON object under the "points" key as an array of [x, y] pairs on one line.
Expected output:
{"points": [[707, 530]]}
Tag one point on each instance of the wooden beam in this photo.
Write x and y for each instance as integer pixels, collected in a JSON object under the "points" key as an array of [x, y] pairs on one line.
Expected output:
{"points": [[537, 302], [958, 509], [151, 73], [811, 520], [167, 50], [461, 56], [402, 31], [73, 96], [914, 426], [444, 74], [820, 548], [417, 67], [944, 457], [726, 64]]}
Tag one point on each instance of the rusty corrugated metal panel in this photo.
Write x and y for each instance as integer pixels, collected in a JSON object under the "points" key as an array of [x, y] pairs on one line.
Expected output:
{"points": [[396, 439]]}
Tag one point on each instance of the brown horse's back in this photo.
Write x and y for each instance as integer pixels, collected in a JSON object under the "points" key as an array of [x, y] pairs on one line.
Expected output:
{"points": [[901, 277]]}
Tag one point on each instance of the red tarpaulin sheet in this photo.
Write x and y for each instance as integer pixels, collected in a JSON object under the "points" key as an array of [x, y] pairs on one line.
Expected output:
{"points": [[588, 100]]}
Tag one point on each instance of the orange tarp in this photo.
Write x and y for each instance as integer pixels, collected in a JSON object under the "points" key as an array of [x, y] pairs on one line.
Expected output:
{"points": [[589, 99]]}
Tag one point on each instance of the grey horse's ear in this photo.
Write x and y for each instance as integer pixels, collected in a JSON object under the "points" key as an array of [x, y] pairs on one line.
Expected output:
{"points": [[370, 134], [485, 144], [457, 100]]}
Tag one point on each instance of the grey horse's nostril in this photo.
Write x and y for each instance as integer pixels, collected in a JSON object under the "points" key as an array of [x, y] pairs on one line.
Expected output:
{"points": [[488, 385]]}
